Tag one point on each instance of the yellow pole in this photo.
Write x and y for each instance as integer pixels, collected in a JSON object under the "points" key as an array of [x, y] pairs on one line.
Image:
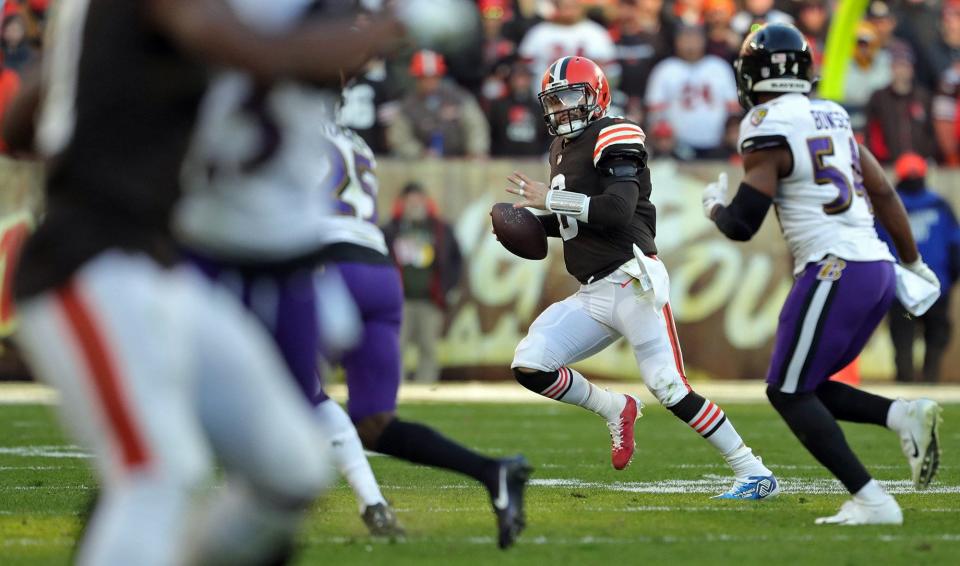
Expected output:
{"points": [[839, 47]]}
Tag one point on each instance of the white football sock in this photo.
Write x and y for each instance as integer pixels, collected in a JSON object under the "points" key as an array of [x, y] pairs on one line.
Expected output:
{"points": [[897, 414], [571, 387], [871, 494], [346, 450], [744, 463]]}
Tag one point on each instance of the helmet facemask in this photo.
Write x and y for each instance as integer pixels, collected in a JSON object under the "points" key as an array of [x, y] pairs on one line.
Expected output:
{"points": [[569, 109]]}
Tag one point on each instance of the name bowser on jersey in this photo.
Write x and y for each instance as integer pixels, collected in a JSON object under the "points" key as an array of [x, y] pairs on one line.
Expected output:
{"points": [[598, 202], [800, 156]]}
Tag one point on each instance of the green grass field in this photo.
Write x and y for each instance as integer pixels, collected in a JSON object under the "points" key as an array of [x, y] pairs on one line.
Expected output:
{"points": [[580, 510]]}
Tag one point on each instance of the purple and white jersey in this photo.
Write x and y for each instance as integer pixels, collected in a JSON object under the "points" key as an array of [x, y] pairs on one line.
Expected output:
{"points": [[822, 205], [250, 180], [350, 186]]}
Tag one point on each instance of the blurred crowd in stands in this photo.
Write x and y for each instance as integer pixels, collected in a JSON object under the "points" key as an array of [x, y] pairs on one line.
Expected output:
{"points": [[669, 63]]}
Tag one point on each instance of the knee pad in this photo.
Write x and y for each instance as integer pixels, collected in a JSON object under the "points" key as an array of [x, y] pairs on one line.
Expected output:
{"points": [[537, 381], [667, 386]]}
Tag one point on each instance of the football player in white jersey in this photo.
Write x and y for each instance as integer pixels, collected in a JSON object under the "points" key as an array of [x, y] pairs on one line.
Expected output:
{"points": [[258, 218], [800, 155], [253, 218]]}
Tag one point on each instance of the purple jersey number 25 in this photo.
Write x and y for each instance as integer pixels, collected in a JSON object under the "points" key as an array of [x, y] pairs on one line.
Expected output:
{"points": [[339, 180]]}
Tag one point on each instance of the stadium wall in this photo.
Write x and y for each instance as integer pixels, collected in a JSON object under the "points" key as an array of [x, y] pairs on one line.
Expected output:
{"points": [[726, 296]]}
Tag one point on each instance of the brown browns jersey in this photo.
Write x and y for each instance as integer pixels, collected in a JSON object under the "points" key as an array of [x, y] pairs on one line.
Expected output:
{"points": [[593, 251], [112, 178]]}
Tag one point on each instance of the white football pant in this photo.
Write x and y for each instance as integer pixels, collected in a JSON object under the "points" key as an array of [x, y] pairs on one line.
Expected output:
{"points": [[159, 370], [594, 317]]}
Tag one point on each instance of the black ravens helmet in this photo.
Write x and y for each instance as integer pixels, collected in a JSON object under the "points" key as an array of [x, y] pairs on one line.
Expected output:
{"points": [[775, 59]]}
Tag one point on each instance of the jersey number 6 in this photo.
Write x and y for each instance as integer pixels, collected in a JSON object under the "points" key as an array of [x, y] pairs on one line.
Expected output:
{"points": [[568, 225]]}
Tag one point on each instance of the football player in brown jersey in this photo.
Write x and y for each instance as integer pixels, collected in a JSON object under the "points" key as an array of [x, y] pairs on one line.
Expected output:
{"points": [[599, 197]]}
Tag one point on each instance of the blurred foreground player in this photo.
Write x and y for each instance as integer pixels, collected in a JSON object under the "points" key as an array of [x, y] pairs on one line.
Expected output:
{"points": [[599, 195], [252, 218], [158, 371], [358, 250], [800, 155]]}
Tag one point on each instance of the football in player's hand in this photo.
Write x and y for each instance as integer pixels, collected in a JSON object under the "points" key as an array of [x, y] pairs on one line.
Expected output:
{"points": [[519, 231]]}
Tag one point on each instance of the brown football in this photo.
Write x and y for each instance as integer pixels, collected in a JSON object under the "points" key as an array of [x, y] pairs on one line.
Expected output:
{"points": [[519, 231]]}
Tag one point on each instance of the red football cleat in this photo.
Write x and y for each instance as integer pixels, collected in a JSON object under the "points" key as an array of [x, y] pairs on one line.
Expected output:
{"points": [[621, 433]]}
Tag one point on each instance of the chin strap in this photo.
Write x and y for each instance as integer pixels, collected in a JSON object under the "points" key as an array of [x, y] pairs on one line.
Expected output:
{"points": [[568, 203]]}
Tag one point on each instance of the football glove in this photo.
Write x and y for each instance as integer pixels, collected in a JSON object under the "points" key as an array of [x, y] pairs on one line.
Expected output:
{"points": [[923, 270], [714, 194]]}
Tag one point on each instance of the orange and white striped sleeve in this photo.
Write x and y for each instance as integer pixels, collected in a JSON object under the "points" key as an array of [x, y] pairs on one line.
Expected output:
{"points": [[624, 133]]}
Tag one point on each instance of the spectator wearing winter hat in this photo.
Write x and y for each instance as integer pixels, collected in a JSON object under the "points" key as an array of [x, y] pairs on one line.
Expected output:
{"points": [[496, 48], [438, 118], [898, 116], [937, 234], [516, 120], [662, 144]]}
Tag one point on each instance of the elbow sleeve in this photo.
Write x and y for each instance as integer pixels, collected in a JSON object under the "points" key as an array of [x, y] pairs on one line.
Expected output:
{"points": [[743, 217]]}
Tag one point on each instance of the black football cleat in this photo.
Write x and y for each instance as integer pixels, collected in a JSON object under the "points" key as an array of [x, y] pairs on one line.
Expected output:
{"points": [[508, 501], [381, 521]]}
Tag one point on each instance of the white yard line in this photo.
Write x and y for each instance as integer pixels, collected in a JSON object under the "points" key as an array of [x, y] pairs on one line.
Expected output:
{"points": [[509, 392], [708, 484], [588, 540], [716, 484], [52, 451]]}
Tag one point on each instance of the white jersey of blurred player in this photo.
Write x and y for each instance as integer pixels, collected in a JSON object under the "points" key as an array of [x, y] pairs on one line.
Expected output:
{"points": [[255, 195], [825, 159], [250, 180]]}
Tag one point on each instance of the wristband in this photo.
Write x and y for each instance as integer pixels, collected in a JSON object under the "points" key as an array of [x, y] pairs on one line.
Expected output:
{"points": [[568, 203]]}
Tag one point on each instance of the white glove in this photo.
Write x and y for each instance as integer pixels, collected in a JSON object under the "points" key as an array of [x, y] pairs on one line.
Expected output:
{"points": [[714, 194], [923, 270]]}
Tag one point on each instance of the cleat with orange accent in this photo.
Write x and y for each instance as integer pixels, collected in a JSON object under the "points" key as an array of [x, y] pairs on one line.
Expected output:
{"points": [[622, 444]]}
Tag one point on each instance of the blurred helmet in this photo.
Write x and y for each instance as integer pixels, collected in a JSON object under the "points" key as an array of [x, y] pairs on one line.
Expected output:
{"points": [[773, 59], [574, 92]]}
